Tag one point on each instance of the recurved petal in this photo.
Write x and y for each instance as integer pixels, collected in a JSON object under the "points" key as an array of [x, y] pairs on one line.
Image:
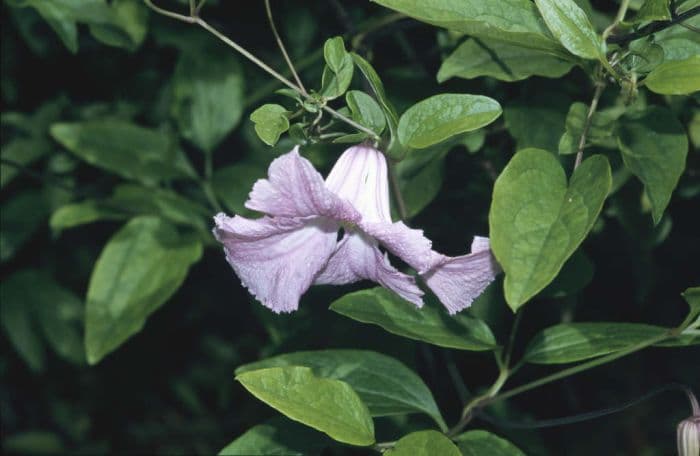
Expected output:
{"points": [[406, 243], [295, 189], [457, 281], [277, 259], [356, 258]]}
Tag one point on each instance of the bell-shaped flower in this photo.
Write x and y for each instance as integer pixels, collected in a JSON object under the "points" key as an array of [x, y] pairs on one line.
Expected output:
{"points": [[297, 244]]}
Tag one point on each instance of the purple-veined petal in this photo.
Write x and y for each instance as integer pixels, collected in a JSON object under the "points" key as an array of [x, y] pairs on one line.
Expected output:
{"points": [[457, 281], [295, 189], [277, 259], [357, 257], [360, 177], [406, 243]]}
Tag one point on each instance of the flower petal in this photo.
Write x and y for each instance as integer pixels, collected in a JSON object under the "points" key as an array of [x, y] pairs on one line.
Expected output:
{"points": [[360, 177], [457, 281], [356, 258], [277, 259], [406, 243], [295, 189]]}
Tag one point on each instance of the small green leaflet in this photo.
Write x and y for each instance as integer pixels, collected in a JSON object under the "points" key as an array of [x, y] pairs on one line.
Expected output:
{"points": [[439, 117]]}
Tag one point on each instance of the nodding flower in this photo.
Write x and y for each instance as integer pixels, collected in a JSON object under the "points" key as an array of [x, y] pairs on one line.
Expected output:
{"points": [[296, 244], [688, 431]]}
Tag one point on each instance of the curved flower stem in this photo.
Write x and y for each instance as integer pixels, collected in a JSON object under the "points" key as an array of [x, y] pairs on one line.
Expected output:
{"points": [[243, 51], [268, 10], [396, 190]]}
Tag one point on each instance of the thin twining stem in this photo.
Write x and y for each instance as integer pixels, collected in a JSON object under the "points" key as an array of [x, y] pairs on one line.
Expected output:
{"points": [[599, 87], [240, 49], [619, 17], [282, 48]]}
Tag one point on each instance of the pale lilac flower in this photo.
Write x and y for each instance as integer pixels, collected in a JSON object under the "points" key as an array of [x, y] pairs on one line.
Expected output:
{"points": [[295, 245]]}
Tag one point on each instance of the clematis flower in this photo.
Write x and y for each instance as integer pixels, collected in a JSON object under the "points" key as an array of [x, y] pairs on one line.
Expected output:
{"points": [[316, 232]]}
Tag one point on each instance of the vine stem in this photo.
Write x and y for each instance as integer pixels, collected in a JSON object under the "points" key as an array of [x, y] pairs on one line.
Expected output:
{"points": [[599, 88], [578, 368], [243, 51], [619, 17], [268, 10]]}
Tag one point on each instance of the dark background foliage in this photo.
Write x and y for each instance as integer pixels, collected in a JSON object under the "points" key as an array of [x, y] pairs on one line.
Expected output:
{"points": [[170, 389]]}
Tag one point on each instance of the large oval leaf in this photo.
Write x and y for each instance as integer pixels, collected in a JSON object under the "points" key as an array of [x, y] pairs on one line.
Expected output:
{"points": [[123, 148], [424, 443], [429, 324], [141, 266], [680, 77], [503, 61], [208, 95], [569, 23], [571, 342], [536, 221], [512, 21], [437, 118], [654, 147], [330, 406], [385, 385]]}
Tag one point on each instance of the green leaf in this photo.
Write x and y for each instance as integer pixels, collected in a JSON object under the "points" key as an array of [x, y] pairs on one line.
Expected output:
{"points": [[424, 443], [441, 116], [33, 442], [270, 122], [278, 436], [334, 53], [569, 342], [330, 406], [335, 83], [420, 176], [36, 304], [653, 10], [84, 212], [513, 21], [600, 131], [208, 96], [378, 88], [128, 25], [692, 297], [366, 111], [20, 217], [123, 148], [23, 152], [232, 185], [576, 273], [384, 384], [505, 62], [139, 269], [16, 320], [544, 133], [654, 148], [572, 28], [382, 307], [678, 77], [484, 443], [537, 222]]}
